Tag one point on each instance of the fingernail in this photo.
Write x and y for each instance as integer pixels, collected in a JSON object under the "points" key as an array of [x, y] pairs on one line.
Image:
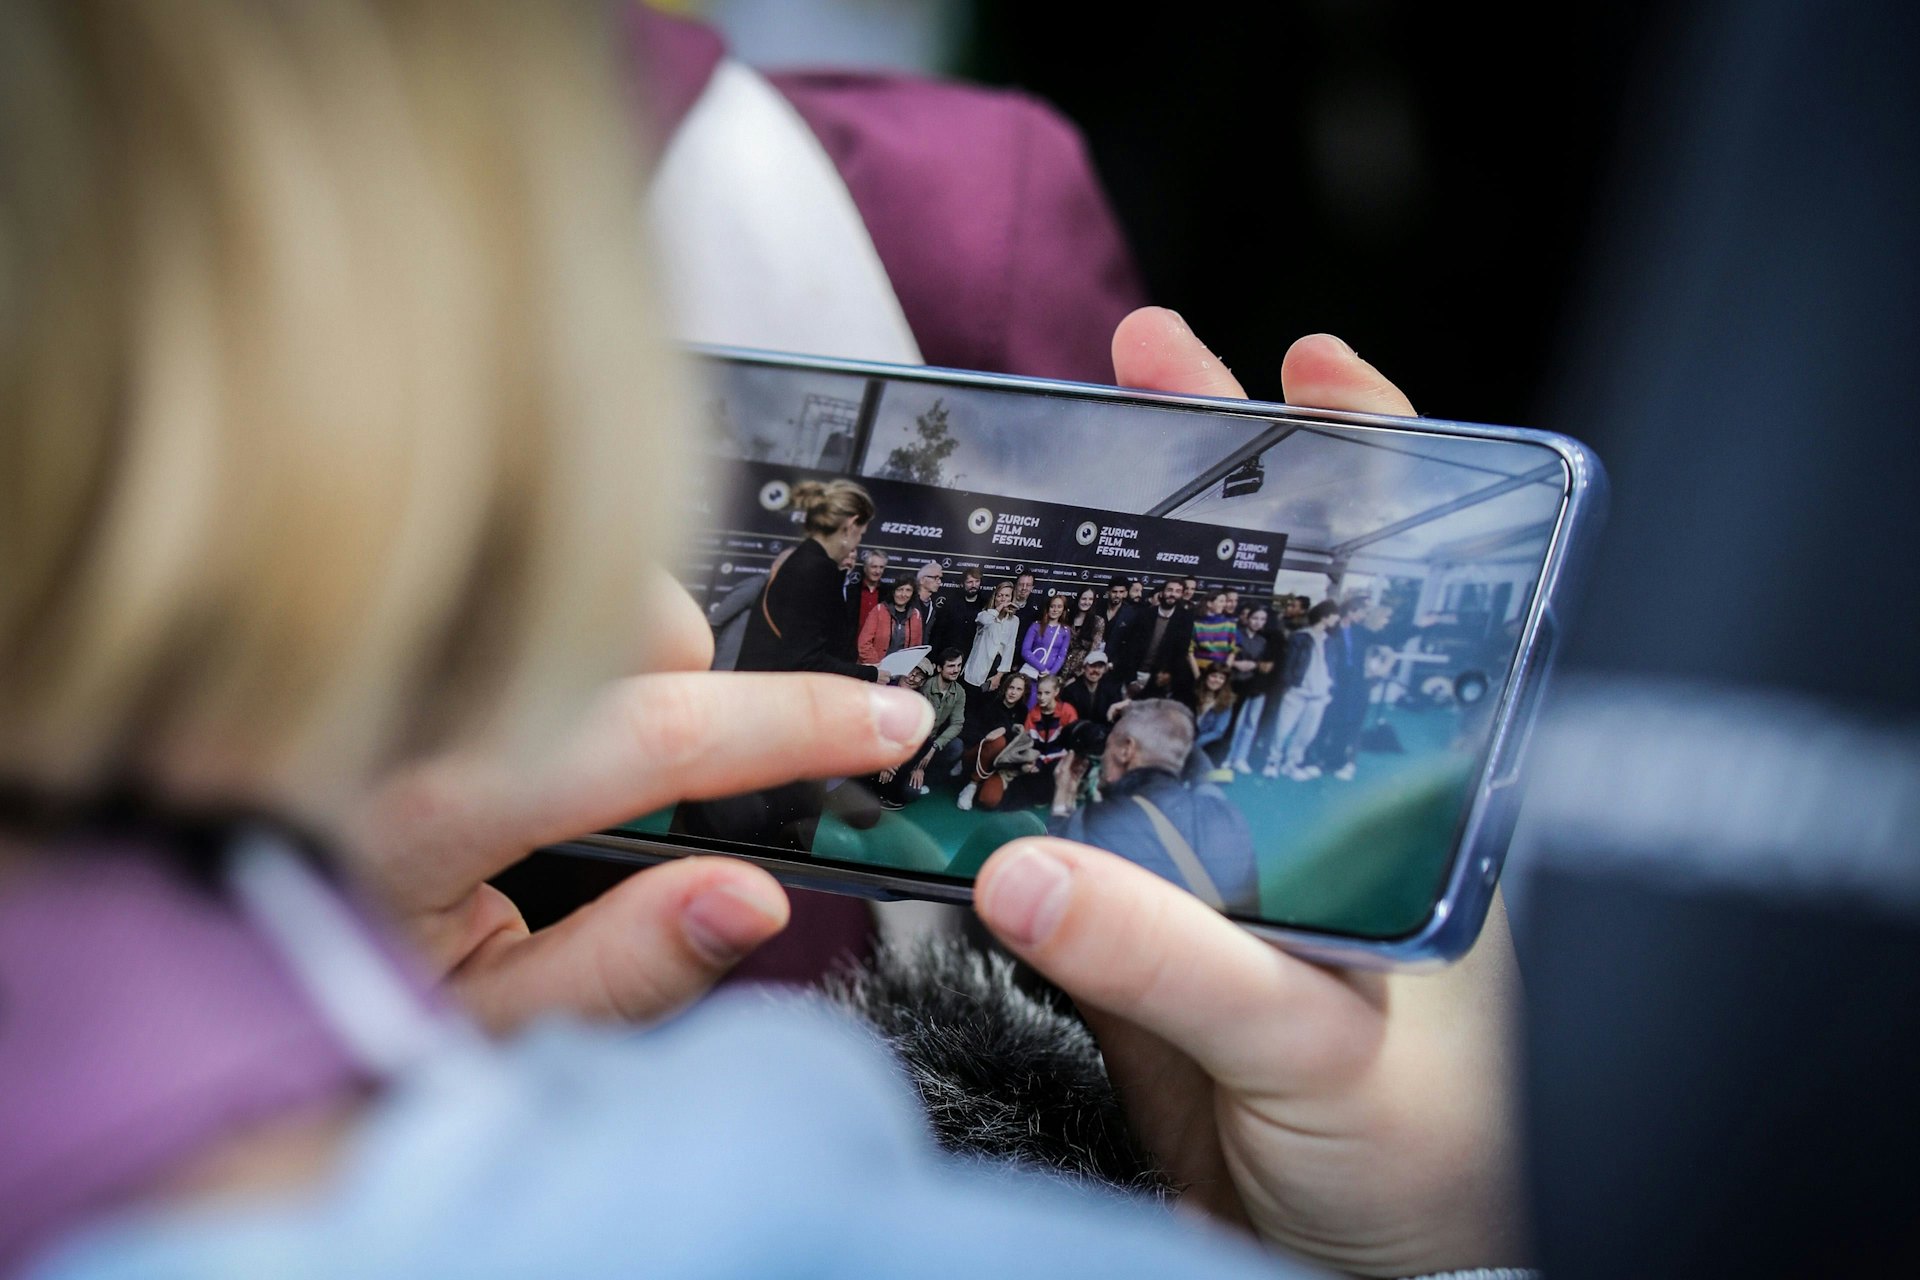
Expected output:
{"points": [[1028, 897], [901, 715], [725, 923]]}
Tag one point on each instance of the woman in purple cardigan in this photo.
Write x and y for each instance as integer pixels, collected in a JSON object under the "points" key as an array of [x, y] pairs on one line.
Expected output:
{"points": [[1045, 645]]}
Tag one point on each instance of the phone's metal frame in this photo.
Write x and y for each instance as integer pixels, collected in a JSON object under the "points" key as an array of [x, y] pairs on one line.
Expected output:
{"points": [[1480, 849]]}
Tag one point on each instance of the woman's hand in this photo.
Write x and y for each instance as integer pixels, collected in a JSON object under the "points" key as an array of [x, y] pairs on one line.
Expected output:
{"points": [[1363, 1120], [660, 938]]}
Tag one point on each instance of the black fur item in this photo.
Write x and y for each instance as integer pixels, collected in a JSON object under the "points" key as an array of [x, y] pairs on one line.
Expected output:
{"points": [[1004, 1077]]}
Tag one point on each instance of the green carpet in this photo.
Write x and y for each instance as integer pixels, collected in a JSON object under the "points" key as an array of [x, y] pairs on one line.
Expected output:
{"points": [[1362, 857]]}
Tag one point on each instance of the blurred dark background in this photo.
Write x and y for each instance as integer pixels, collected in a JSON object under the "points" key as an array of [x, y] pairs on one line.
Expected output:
{"points": [[1391, 171]]}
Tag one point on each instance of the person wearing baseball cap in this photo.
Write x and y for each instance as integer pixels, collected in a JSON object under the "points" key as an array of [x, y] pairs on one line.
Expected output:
{"points": [[1093, 693]]}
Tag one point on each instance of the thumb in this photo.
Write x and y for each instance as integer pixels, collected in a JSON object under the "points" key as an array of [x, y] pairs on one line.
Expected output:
{"points": [[1322, 372], [1121, 940], [651, 944]]}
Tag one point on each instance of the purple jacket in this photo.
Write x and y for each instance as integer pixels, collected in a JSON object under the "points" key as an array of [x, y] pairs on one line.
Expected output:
{"points": [[981, 203], [143, 1019], [1046, 645]]}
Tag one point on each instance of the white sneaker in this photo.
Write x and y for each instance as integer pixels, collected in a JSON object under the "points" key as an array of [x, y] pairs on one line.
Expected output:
{"points": [[1271, 771], [1344, 772], [965, 800], [1241, 766], [1294, 772], [1311, 771]]}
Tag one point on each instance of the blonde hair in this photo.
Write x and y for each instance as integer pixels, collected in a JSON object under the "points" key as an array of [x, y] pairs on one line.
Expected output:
{"points": [[326, 365], [829, 506]]}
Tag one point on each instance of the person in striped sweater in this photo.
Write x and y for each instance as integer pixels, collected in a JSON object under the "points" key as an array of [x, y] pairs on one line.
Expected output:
{"points": [[1216, 634]]}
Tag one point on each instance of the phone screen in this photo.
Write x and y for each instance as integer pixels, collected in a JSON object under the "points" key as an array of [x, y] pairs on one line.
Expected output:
{"points": [[1261, 654]]}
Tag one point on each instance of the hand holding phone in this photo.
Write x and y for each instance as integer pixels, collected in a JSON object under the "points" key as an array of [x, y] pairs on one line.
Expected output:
{"points": [[1405, 1074], [660, 939], [1365, 1120], [1355, 810]]}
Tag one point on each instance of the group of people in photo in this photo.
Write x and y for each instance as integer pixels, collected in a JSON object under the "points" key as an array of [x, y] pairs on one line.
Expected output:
{"points": [[1275, 687], [1071, 700], [1281, 689]]}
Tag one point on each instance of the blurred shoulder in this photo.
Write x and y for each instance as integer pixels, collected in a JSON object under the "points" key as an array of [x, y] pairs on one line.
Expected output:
{"points": [[985, 208], [751, 1137]]}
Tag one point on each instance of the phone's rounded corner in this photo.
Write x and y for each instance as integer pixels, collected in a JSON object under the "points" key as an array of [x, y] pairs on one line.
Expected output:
{"points": [[1365, 955], [1589, 492], [1451, 927], [1450, 936], [1459, 913]]}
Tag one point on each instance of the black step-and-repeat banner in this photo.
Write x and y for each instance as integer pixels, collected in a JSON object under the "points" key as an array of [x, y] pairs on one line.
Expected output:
{"points": [[1062, 546]]}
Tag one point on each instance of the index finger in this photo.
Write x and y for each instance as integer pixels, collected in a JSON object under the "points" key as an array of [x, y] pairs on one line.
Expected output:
{"points": [[679, 639], [647, 742], [1122, 940]]}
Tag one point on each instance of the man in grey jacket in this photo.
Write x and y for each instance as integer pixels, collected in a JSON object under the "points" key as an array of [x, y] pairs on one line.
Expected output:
{"points": [[1183, 830]]}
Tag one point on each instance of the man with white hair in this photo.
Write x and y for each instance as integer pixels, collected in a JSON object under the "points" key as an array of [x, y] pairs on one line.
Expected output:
{"points": [[1185, 831], [928, 600]]}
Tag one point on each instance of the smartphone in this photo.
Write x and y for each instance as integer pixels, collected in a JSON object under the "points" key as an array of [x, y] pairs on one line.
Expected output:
{"points": [[1287, 658]]}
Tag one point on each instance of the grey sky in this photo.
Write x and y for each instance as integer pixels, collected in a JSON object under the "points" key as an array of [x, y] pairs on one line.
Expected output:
{"points": [[1041, 447], [1322, 487]]}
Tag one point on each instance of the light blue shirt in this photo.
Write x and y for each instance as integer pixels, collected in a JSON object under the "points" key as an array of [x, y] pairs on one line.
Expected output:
{"points": [[751, 1138]]}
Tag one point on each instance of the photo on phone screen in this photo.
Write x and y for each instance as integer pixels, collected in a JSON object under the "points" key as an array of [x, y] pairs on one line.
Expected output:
{"points": [[1261, 656]]}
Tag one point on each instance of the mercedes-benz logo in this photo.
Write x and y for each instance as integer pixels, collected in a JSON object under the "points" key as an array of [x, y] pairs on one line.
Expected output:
{"points": [[981, 520]]}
